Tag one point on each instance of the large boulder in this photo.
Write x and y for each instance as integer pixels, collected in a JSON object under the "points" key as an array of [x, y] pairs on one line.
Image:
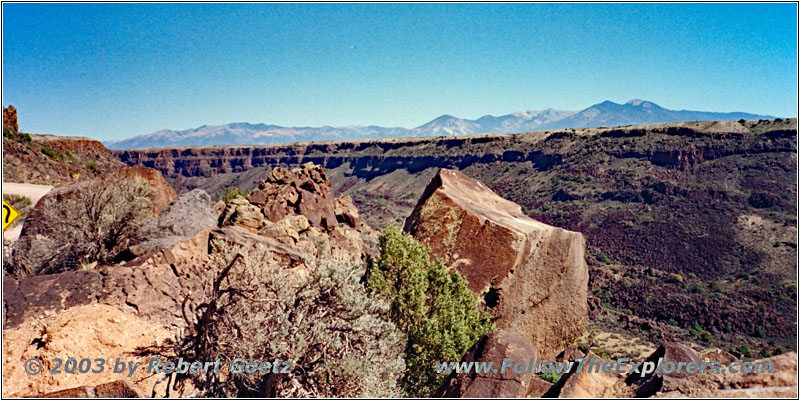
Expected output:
{"points": [[533, 276], [42, 235], [671, 352], [188, 215], [493, 347]]}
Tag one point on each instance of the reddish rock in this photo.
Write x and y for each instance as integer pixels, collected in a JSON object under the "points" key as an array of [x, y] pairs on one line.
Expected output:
{"points": [[718, 355], [153, 287], [493, 347], [673, 352], [534, 275], [10, 118], [163, 193], [538, 387], [569, 354], [590, 382], [346, 211], [303, 191], [257, 197]]}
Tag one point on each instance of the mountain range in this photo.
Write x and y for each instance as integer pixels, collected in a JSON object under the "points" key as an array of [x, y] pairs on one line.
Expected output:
{"points": [[603, 114]]}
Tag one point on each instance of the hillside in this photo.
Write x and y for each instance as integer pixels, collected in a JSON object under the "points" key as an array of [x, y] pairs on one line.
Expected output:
{"points": [[53, 160], [604, 114], [707, 211]]}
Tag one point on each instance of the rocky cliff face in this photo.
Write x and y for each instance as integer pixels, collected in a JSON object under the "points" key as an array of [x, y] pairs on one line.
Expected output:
{"points": [[676, 217]]}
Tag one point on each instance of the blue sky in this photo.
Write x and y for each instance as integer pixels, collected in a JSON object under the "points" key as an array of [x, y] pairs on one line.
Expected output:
{"points": [[111, 71]]}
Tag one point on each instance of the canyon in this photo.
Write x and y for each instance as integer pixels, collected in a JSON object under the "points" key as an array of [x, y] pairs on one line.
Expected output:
{"points": [[705, 210]]}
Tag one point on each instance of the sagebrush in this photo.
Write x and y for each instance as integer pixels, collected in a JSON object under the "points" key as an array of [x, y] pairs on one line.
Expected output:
{"points": [[319, 317], [92, 223]]}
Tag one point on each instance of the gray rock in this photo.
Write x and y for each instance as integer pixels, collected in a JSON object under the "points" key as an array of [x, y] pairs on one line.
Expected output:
{"points": [[186, 216]]}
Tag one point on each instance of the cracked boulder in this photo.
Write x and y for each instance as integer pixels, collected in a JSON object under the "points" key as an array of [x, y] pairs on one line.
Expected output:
{"points": [[532, 276]]}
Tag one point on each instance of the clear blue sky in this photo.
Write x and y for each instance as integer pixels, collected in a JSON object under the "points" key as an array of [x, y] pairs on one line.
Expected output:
{"points": [[111, 71]]}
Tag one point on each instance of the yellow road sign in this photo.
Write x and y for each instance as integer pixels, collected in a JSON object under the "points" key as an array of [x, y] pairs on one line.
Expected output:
{"points": [[9, 214]]}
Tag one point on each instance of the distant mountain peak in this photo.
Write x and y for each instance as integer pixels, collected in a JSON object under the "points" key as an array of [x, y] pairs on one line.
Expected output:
{"points": [[605, 114], [642, 103]]}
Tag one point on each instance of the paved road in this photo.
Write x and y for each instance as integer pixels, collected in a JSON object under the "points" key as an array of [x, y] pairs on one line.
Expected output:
{"points": [[33, 191]]}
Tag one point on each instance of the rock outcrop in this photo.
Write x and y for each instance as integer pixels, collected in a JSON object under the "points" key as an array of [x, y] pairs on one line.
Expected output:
{"points": [[533, 276], [303, 191], [493, 347], [134, 308], [590, 383], [780, 383], [10, 118], [152, 288], [188, 215], [297, 208]]}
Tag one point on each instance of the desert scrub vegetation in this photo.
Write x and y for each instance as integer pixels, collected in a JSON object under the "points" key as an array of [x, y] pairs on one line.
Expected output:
{"points": [[430, 303], [93, 223], [52, 153], [318, 317], [231, 193]]}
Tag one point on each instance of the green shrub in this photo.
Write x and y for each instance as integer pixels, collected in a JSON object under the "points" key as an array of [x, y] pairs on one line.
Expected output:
{"points": [[51, 153], [92, 166], [777, 351], [698, 288], [551, 377], [430, 303], [599, 352], [8, 134], [603, 258], [759, 332], [25, 137], [745, 351], [231, 193]]}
